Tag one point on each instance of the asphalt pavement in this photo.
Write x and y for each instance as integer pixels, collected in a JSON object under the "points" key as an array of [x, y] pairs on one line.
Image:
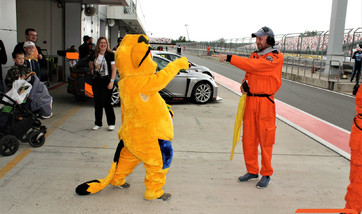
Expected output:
{"points": [[332, 106], [202, 179]]}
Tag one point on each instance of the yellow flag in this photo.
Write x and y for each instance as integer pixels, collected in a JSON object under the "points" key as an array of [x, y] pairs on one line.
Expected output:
{"points": [[238, 123]]}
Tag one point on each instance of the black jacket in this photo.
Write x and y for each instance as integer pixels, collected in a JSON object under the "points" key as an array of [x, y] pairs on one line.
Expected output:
{"points": [[3, 57]]}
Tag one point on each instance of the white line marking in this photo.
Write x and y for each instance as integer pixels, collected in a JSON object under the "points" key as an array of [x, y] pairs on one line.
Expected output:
{"points": [[322, 89]]}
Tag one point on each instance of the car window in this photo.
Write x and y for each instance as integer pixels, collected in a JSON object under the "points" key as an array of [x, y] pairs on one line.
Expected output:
{"points": [[173, 57], [161, 63]]}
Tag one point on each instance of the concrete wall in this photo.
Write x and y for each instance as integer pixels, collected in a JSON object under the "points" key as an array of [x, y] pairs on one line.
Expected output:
{"points": [[46, 18], [8, 30], [73, 25]]}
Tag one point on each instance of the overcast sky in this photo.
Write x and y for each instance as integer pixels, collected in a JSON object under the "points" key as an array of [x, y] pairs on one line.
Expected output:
{"points": [[214, 19]]}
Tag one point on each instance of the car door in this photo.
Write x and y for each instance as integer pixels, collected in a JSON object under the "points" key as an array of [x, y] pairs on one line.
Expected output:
{"points": [[177, 87], [179, 84]]}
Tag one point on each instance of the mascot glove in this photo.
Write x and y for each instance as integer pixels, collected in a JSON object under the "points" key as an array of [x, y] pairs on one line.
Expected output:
{"points": [[182, 63]]}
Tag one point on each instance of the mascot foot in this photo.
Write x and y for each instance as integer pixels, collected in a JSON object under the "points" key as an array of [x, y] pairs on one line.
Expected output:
{"points": [[124, 186], [165, 196]]}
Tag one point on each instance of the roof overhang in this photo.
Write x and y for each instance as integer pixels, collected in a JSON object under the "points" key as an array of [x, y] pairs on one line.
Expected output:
{"points": [[101, 2], [131, 26]]}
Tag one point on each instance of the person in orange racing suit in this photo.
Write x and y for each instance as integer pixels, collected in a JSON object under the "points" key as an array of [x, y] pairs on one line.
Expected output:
{"points": [[262, 80], [354, 191]]}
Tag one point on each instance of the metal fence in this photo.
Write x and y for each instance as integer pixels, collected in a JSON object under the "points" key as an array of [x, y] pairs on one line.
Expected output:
{"points": [[307, 45]]}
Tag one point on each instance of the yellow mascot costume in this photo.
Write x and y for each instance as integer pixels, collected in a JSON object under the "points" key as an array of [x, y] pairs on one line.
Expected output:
{"points": [[146, 131]]}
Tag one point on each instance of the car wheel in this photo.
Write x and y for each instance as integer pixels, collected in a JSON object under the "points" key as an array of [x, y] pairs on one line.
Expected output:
{"points": [[115, 100], [9, 144], [202, 92]]}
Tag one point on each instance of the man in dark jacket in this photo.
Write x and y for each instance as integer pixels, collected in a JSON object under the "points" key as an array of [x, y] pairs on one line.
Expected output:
{"points": [[32, 36], [86, 48], [357, 56], [3, 60]]}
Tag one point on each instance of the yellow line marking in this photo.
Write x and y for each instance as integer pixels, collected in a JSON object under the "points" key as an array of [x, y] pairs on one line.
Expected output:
{"points": [[61, 120], [13, 162], [25, 152]]}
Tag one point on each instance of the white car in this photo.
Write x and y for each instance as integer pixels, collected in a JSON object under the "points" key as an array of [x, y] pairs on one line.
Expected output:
{"points": [[193, 66], [188, 84]]}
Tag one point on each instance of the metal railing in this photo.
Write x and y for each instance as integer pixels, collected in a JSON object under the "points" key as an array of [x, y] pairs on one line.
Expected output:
{"points": [[304, 45]]}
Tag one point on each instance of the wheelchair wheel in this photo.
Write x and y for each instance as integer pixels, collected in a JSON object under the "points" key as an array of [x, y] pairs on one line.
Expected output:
{"points": [[36, 139], [9, 144]]}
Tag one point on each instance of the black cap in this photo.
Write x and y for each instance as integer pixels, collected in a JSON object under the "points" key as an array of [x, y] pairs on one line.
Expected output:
{"points": [[264, 31]]}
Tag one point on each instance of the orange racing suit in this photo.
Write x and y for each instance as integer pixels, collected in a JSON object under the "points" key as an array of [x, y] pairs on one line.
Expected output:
{"points": [[354, 191], [263, 77]]}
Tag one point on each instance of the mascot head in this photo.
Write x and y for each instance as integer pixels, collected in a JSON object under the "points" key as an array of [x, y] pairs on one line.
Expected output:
{"points": [[133, 56]]}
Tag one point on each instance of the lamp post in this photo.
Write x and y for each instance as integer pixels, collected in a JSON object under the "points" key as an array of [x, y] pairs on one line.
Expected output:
{"points": [[188, 37]]}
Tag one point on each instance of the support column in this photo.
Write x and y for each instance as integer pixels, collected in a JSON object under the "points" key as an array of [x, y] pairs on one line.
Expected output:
{"points": [[335, 55], [114, 36], [72, 29]]}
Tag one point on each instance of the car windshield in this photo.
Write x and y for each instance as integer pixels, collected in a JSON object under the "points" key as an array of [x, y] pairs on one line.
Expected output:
{"points": [[173, 57], [161, 63]]}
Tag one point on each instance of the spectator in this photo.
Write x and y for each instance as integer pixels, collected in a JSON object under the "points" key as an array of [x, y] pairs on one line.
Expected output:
{"points": [[30, 35], [72, 49], [357, 55], [86, 48], [103, 67], [92, 45], [17, 70], [40, 101], [30, 61], [179, 50], [119, 40], [3, 60]]}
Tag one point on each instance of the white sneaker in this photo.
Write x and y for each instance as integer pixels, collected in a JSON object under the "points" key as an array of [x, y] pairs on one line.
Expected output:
{"points": [[111, 127], [47, 117], [96, 127]]}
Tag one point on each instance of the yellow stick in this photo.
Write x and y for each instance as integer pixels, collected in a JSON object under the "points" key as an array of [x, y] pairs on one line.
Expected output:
{"points": [[238, 123]]}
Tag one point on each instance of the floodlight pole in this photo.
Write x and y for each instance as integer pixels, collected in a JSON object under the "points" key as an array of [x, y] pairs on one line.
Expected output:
{"points": [[187, 32]]}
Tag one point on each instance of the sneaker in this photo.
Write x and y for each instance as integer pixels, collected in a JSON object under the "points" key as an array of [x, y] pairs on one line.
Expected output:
{"points": [[111, 127], [47, 117], [248, 177], [96, 127], [165, 196], [264, 182]]}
